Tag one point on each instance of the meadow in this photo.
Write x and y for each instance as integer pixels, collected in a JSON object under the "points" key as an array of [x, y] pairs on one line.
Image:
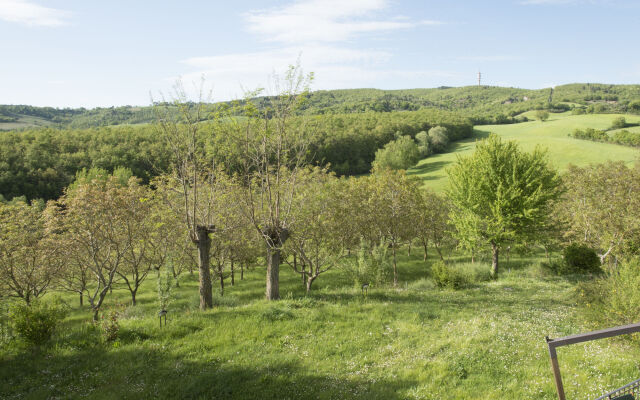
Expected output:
{"points": [[415, 341], [551, 134]]}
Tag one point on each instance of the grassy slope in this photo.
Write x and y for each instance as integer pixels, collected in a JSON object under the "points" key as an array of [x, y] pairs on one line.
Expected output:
{"points": [[416, 342], [23, 122], [552, 134]]}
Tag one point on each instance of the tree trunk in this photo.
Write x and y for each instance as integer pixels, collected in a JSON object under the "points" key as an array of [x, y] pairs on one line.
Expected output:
{"points": [[409, 251], [425, 252], [494, 261], [233, 280], [221, 284], [473, 256], [395, 267], [204, 245], [241, 271], [81, 299], [273, 273], [309, 283], [508, 253], [439, 252], [133, 297], [95, 314]]}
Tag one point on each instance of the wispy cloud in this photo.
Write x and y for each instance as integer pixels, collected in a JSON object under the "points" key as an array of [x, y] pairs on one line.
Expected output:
{"points": [[324, 21], [319, 33], [31, 14]]}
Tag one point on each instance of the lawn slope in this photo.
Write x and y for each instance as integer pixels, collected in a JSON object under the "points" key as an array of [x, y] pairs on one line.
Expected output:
{"points": [[551, 134]]}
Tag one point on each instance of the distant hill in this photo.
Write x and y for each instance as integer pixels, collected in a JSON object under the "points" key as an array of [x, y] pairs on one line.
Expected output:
{"points": [[483, 104]]}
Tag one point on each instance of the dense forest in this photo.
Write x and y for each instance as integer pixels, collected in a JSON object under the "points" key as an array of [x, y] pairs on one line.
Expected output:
{"points": [[40, 163]]}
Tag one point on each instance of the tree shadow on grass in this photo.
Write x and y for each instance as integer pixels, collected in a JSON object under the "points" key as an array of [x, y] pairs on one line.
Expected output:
{"points": [[152, 372]]}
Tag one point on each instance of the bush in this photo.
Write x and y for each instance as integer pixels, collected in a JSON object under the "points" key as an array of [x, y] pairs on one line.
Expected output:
{"points": [[110, 326], [542, 115], [35, 323], [373, 268], [613, 299], [619, 123], [447, 276], [580, 259]]}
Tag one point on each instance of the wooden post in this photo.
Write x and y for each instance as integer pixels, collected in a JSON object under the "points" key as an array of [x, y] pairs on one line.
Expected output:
{"points": [[556, 369]]}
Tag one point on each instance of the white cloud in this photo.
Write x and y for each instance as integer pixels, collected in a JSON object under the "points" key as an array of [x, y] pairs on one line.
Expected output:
{"points": [[496, 58], [31, 14], [317, 32], [324, 21], [334, 68]]}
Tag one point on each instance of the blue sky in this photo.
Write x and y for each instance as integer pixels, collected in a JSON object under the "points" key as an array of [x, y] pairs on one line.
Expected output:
{"points": [[101, 53]]}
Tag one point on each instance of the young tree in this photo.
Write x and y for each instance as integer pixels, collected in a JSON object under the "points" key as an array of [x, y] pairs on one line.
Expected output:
{"points": [[432, 224], [275, 151], [318, 243], [394, 207], [501, 194], [93, 223], [29, 260]]}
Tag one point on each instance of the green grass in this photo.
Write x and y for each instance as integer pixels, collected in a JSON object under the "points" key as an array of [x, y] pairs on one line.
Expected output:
{"points": [[414, 342], [24, 122], [551, 134]]}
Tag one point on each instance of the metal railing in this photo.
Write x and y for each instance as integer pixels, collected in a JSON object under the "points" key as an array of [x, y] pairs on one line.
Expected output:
{"points": [[632, 388]]}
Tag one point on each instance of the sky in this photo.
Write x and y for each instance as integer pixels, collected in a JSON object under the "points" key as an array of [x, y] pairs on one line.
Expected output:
{"points": [[80, 53]]}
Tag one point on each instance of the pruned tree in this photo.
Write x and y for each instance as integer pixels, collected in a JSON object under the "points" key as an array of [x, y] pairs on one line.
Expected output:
{"points": [[501, 194], [275, 151], [193, 175]]}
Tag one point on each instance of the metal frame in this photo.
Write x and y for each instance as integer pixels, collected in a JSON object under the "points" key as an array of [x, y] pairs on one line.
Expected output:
{"points": [[585, 337]]}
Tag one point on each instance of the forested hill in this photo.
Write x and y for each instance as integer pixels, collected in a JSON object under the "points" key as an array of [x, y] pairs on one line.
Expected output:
{"points": [[484, 104]]}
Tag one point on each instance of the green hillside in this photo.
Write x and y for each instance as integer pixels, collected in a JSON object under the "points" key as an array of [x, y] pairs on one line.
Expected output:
{"points": [[485, 104], [552, 134]]}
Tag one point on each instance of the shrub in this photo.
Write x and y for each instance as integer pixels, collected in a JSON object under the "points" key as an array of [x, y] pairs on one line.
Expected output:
{"points": [[580, 259], [619, 123], [447, 276], [369, 266], [542, 115], [35, 323], [109, 325], [613, 299]]}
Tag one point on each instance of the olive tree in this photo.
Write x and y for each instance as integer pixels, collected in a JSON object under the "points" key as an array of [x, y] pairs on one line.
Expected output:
{"points": [[501, 195]]}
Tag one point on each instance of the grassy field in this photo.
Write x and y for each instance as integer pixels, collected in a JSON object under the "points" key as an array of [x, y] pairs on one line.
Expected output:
{"points": [[413, 342], [23, 122], [551, 134]]}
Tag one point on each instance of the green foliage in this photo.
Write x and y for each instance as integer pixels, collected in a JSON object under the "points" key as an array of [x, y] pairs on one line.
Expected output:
{"points": [[165, 283], [109, 325], [370, 265], [36, 323], [446, 276], [438, 139], [542, 115], [591, 134], [613, 299], [619, 123], [501, 194], [626, 138], [397, 154], [580, 259]]}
